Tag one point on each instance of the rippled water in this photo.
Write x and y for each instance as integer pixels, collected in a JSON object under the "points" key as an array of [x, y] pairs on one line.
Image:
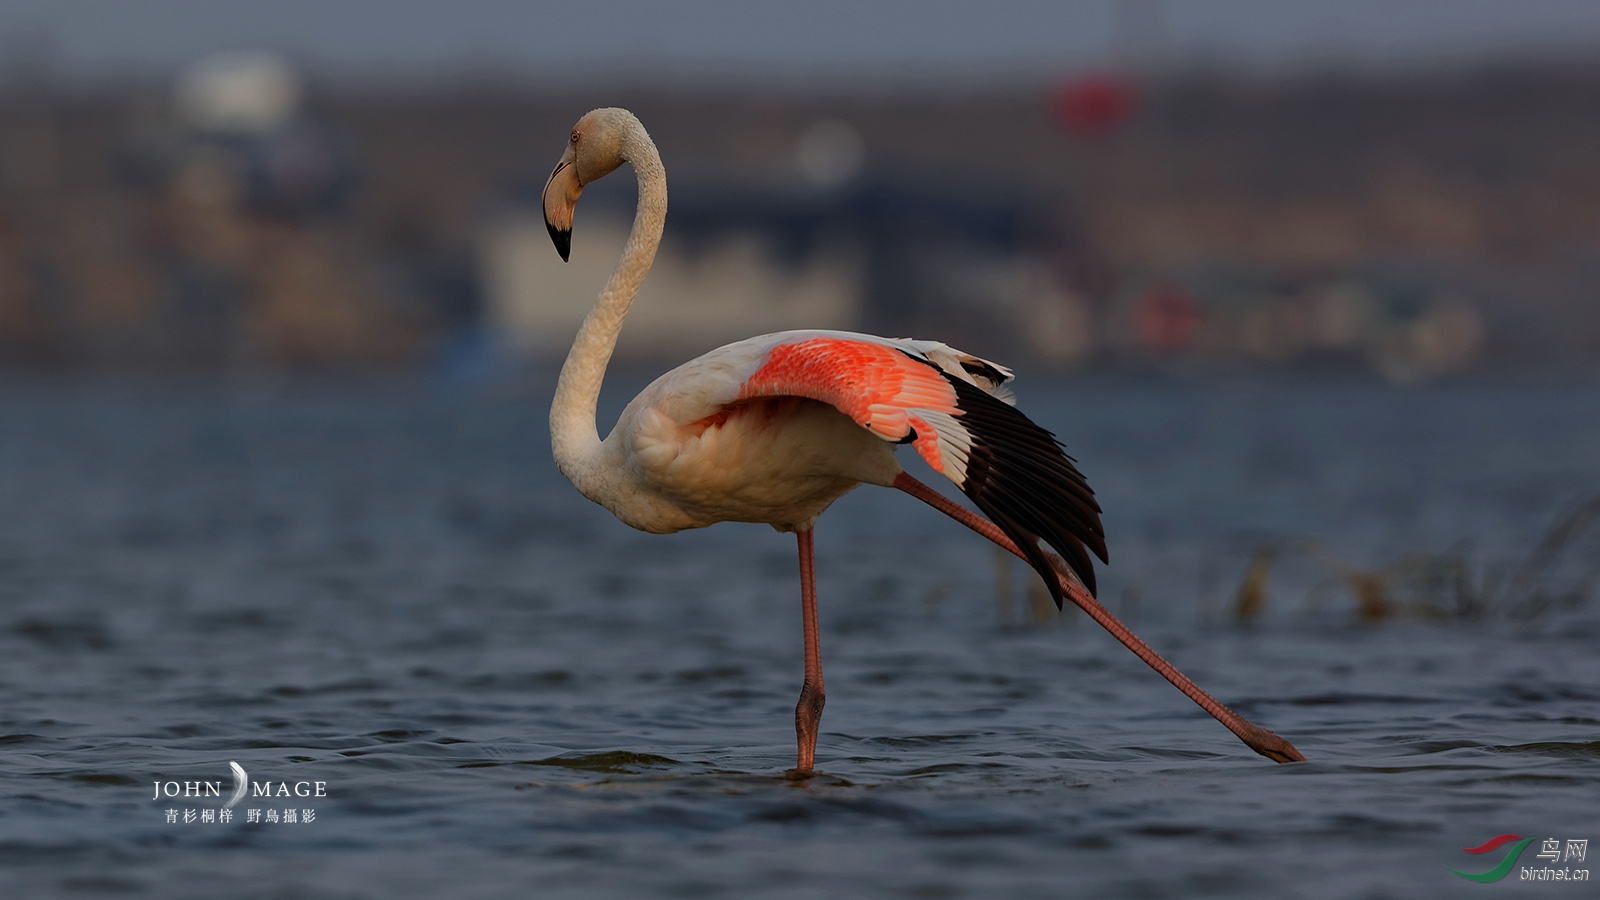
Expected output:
{"points": [[389, 589]]}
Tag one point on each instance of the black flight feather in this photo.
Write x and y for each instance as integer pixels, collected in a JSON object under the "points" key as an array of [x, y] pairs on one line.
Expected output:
{"points": [[1019, 476]]}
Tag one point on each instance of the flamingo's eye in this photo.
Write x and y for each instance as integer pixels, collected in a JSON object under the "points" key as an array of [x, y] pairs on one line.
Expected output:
{"points": [[574, 137]]}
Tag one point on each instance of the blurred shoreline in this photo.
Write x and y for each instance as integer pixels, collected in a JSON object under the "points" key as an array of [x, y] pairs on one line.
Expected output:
{"points": [[242, 219]]}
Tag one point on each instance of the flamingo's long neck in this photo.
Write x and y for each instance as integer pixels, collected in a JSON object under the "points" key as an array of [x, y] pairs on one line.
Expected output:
{"points": [[573, 436]]}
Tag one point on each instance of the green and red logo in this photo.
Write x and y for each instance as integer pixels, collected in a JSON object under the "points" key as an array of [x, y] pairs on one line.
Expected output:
{"points": [[1502, 870]]}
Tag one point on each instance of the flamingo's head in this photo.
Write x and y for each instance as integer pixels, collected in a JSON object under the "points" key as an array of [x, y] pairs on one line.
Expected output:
{"points": [[596, 147]]}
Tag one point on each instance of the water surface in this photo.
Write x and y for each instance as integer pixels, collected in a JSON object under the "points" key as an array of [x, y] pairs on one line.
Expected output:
{"points": [[507, 693]]}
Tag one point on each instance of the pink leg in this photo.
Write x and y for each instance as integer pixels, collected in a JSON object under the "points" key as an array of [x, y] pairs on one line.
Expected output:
{"points": [[1255, 737], [808, 713]]}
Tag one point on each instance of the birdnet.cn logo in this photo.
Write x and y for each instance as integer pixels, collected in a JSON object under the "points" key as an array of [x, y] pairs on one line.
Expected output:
{"points": [[271, 802], [1551, 850]]}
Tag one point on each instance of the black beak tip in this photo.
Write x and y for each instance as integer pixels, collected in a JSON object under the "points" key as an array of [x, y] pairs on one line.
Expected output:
{"points": [[562, 238]]}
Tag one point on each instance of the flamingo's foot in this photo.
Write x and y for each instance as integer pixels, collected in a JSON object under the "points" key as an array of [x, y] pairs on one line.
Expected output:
{"points": [[807, 721]]}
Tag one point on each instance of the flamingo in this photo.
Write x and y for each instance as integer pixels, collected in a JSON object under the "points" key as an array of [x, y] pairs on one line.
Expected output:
{"points": [[775, 428]]}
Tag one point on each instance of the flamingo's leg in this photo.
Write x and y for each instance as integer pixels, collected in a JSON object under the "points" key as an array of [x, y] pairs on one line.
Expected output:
{"points": [[1255, 737], [808, 713]]}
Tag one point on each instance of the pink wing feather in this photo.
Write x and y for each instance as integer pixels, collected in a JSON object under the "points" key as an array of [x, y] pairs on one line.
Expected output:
{"points": [[879, 386]]}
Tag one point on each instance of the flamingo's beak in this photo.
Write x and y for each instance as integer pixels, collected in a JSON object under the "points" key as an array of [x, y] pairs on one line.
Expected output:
{"points": [[561, 194]]}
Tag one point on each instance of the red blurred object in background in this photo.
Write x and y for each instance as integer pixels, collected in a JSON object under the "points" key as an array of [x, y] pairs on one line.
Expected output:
{"points": [[1165, 318], [1094, 105]]}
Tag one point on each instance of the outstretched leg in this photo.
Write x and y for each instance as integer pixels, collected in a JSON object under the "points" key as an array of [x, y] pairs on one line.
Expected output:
{"points": [[1255, 737], [808, 714]]}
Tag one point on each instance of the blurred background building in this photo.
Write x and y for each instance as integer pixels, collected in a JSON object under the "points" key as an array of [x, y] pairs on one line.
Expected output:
{"points": [[1413, 190]]}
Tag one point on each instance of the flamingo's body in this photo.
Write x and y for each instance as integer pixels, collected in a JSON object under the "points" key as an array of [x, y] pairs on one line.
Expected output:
{"points": [[694, 449], [775, 428]]}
